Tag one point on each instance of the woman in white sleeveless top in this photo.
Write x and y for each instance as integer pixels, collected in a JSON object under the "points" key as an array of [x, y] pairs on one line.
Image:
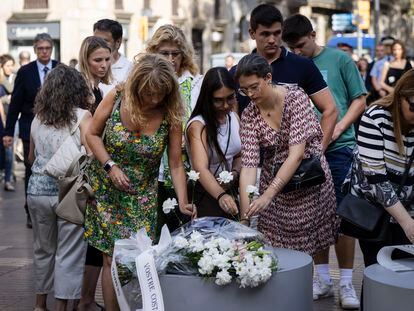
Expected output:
{"points": [[59, 247], [213, 143]]}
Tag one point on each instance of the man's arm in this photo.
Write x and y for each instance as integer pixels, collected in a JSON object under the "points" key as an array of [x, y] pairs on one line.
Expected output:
{"points": [[16, 104], [325, 103], [355, 110]]}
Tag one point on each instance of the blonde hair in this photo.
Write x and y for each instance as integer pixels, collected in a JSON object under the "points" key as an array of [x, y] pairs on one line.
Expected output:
{"points": [[403, 89], [172, 34], [90, 45], [152, 73]]}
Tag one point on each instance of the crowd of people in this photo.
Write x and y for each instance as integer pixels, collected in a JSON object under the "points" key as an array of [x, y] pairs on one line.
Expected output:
{"points": [[149, 122]]}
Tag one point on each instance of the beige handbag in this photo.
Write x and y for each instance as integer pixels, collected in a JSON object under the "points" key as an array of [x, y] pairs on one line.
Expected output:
{"points": [[69, 150], [74, 191], [74, 187]]}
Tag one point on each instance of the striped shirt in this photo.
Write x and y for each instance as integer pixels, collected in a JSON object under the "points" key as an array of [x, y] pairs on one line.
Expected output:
{"points": [[378, 166]]}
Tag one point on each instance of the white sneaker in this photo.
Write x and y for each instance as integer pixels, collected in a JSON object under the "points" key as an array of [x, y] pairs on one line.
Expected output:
{"points": [[348, 297], [321, 289]]}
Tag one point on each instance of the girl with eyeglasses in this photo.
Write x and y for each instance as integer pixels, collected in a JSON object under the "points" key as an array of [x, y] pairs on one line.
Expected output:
{"points": [[214, 146], [281, 122]]}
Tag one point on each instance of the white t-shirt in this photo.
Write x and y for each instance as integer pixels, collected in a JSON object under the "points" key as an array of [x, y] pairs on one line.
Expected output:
{"points": [[120, 71], [227, 140]]}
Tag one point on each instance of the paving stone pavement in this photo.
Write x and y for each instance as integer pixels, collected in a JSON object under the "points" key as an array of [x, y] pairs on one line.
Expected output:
{"points": [[16, 259]]}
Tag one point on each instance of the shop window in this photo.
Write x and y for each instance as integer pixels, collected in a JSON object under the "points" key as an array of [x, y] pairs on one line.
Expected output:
{"points": [[35, 4], [119, 5]]}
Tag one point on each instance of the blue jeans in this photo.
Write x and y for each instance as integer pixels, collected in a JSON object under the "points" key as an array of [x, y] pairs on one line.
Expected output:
{"points": [[339, 161], [8, 163]]}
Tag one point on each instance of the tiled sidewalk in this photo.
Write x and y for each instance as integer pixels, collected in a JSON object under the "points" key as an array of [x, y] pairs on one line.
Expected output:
{"points": [[16, 282]]}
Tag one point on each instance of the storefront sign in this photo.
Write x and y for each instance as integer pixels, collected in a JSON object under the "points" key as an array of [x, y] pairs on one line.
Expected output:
{"points": [[20, 31]]}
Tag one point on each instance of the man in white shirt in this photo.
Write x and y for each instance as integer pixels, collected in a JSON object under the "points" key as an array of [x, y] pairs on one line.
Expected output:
{"points": [[111, 32]]}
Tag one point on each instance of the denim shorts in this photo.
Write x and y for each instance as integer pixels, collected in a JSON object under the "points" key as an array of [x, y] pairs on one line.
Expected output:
{"points": [[339, 161]]}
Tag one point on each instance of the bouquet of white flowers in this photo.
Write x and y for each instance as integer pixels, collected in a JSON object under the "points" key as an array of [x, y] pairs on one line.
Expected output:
{"points": [[212, 247], [226, 260]]}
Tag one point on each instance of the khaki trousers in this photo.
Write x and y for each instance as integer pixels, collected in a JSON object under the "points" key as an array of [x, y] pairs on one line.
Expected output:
{"points": [[59, 250]]}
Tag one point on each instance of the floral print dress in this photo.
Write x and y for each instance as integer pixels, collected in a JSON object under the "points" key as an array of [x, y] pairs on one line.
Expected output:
{"points": [[115, 214]]}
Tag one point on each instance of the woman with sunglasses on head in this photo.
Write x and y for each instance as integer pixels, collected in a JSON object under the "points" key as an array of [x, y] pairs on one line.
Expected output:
{"points": [[213, 143], [170, 42], [280, 121], [385, 145]]}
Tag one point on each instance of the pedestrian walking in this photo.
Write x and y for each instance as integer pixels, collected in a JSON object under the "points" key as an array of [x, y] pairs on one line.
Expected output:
{"points": [[394, 69], [7, 77]]}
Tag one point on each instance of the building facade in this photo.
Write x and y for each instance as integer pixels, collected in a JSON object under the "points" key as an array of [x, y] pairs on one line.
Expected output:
{"points": [[213, 26]]}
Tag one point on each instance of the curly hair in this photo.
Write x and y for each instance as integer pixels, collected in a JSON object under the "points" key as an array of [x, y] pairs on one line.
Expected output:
{"points": [[152, 73], [88, 46], [172, 34], [63, 90]]}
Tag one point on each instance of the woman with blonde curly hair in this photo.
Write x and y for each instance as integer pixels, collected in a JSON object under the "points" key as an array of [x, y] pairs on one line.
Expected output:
{"points": [[169, 41], [144, 117]]}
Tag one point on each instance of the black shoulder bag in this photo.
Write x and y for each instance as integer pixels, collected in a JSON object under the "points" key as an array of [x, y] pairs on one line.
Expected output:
{"points": [[363, 219]]}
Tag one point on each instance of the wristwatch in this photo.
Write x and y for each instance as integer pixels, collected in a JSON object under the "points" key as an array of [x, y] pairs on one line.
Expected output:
{"points": [[108, 165]]}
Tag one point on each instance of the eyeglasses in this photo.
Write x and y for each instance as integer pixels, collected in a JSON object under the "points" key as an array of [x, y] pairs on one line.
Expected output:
{"points": [[43, 48], [254, 89], [219, 102], [173, 54]]}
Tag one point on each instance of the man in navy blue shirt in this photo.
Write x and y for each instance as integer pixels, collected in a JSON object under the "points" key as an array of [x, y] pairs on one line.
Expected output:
{"points": [[287, 68]]}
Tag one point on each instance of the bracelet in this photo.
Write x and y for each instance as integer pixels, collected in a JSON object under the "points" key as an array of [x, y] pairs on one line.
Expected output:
{"points": [[221, 195], [277, 184]]}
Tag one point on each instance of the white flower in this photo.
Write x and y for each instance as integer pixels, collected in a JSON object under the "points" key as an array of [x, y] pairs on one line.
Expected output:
{"points": [[225, 177], [206, 265], [223, 277], [196, 242], [180, 242], [250, 189], [169, 205], [193, 175]]}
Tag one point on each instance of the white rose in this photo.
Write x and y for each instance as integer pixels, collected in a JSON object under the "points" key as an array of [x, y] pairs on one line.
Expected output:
{"points": [[225, 177], [180, 242], [169, 205], [250, 189], [223, 277], [193, 175]]}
